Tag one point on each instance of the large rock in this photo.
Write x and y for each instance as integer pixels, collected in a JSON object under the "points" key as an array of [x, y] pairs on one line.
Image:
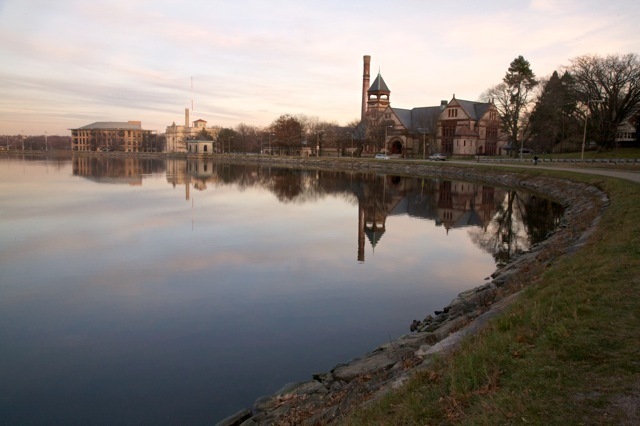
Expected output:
{"points": [[367, 364]]}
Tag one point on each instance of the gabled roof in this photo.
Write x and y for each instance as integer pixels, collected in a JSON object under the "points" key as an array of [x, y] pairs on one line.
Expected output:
{"points": [[404, 115], [475, 110], [379, 85], [112, 125], [424, 118], [469, 218]]}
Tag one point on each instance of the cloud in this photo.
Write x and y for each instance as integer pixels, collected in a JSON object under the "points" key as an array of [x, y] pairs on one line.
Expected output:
{"points": [[252, 61]]}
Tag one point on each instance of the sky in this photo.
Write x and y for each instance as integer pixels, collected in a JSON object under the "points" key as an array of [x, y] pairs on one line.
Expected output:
{"points": [[68, 63]]}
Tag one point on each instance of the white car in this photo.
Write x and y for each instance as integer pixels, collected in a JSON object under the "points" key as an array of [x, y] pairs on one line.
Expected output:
{"points": [[438, 156], [382, 157]]}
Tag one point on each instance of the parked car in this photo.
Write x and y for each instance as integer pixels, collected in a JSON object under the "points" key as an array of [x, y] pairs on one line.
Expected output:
{"points": [[438, 156], [382, 156]]}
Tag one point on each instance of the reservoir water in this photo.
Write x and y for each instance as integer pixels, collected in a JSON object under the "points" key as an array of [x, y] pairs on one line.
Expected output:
{"points": [[153, 291]]}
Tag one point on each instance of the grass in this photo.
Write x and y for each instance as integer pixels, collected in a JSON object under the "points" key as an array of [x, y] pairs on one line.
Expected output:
{"points": [[593, 154], [618, 153], [567, 352]]}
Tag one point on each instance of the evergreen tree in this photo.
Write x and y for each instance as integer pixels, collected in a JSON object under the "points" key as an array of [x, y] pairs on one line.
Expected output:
{"points": [[553, 120], [520, 81]]}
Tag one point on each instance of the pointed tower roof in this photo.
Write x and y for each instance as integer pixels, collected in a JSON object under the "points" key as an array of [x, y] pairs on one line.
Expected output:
{"points": [[379, 85]]}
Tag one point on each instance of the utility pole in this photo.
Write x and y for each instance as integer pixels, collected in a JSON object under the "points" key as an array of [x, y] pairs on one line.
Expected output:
{"points": [[424, 145]]}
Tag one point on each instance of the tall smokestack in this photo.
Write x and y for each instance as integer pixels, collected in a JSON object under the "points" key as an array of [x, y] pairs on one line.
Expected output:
{"points": [[186, 117], [365, 84]]}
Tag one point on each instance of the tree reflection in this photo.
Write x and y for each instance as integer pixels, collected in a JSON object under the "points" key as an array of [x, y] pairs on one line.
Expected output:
{"points": [[503, 222]]}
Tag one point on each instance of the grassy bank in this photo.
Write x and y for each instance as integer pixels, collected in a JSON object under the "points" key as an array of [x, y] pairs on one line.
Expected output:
{"points": [[568, 351]]}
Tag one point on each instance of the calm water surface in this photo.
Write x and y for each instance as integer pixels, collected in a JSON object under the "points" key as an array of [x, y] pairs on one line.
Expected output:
{"points": [[178, 292]]}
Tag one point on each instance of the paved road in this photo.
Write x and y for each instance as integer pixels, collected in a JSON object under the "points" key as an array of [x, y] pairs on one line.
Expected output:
{"points": [[632, 176]]}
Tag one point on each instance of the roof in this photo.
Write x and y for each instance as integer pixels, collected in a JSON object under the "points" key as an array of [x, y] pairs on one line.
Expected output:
{"points": [[422, 119], [469, 218], [379, 85], [425, 118], [466, 131], [112, 125], [475, 110]]}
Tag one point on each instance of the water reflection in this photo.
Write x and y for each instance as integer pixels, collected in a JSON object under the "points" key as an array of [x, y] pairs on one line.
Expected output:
{"points": [[503, 222], [145, 291]]}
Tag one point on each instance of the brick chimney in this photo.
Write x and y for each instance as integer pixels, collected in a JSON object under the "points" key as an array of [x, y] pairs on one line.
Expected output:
{"points": [[365, 84]]}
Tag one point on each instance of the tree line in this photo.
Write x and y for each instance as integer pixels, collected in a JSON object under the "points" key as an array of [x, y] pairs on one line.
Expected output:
{"points": [[592, 96], [286, 135], [35, 143]]}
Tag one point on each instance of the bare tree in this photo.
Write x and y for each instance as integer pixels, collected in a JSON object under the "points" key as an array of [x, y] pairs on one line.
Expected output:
{"points": [[248, 138], [614, 79], [288, 133], [225, 138]]}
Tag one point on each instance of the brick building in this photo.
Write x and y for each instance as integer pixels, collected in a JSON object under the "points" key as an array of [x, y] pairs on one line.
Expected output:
{"points": [[126, 136], [455, 127]]}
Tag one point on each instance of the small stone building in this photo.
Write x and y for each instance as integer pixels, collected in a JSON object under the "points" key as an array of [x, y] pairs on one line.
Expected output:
{"points": [[200, 147]]}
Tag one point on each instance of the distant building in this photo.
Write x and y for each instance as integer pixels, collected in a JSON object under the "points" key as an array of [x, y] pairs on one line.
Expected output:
{"points": [[455, 127], [627, 135], [178, 135], [200, 147], [126, 136]]}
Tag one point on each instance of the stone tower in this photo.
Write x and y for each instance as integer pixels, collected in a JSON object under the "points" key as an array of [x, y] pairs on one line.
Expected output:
{"points": [[378, 96]]}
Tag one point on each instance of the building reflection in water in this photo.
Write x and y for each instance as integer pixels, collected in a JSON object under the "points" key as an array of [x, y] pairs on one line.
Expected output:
{"points": [[501, 221], [118, 170]]}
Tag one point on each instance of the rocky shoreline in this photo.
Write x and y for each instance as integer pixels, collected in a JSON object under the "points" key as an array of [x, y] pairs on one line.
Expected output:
{"points": [[328, 396]]}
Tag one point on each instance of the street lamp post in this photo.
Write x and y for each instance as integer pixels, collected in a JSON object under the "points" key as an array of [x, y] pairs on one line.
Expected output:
{"points": [[424, 145], [270, 134], [318, 144], [586, 118], [351, 134], [385, 137]]}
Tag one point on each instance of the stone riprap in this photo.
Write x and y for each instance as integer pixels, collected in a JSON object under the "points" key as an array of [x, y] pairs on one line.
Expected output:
{"points": [[328, 396]]}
